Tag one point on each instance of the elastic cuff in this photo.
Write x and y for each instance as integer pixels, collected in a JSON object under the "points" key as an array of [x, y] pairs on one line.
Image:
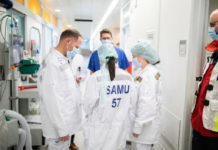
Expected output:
{"points": [[62, 133]]}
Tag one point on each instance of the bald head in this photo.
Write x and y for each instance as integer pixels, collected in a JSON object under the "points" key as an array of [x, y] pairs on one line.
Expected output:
{"points": [[214, 20], [214, 15]]}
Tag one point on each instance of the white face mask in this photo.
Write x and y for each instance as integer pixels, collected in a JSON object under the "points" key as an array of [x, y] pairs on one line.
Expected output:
{"points": [[71, 54], [106, 41], [213, 33], [136, 63]]}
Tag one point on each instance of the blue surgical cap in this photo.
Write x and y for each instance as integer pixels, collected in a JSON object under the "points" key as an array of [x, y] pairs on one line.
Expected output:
{"points": [[106, 50], [145, 50]]}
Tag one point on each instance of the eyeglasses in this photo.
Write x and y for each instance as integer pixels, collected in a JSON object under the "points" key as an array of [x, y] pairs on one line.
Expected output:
{"points": [[213, 24]]}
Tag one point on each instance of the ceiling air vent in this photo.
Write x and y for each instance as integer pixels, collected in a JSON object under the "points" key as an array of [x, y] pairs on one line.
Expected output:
{"points": [[83, 20]]}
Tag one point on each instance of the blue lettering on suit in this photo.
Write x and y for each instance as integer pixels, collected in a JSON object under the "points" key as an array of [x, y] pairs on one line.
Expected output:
{"points": [[117, 89]]}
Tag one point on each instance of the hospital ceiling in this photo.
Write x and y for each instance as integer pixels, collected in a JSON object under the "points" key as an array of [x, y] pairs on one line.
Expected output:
{"points": [[84, 9]]}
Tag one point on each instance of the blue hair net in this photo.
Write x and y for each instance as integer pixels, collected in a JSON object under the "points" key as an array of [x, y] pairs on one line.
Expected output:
{"points": [[145, 50], [106, 50]]}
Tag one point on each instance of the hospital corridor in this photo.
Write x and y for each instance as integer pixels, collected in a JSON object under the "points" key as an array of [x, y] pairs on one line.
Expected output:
{"points": [[108, 74]]}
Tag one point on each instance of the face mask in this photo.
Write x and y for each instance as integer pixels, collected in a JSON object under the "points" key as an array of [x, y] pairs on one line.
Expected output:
{"points": [[136, 63], [71, 54], [106, 41], [213, 34]]}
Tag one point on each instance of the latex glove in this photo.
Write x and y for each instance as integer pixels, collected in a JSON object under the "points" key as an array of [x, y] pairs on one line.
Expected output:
{"points": [[64, 138], [135, 135]]}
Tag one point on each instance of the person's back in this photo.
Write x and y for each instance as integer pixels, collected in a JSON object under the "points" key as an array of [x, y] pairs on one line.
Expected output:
{"points": [[108, 99], [108, 114]]}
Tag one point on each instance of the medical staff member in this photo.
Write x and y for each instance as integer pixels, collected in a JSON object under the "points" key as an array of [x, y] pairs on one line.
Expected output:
{"points": [[60, 107], [108, 98], [145, 127], [94, 63], [204, 116]]}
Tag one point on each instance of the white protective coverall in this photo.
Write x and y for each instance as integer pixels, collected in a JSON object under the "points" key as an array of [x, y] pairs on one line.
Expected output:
{"points": [[107, 119], [148, 108], [79, 67], [60, 107]]}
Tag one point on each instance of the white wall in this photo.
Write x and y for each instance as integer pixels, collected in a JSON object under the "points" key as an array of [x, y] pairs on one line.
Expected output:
{"points": [[144, 19], [116, 35], [174, 26]]}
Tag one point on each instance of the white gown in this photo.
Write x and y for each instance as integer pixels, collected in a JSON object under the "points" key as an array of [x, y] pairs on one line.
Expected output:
{"points": [[148, 109], [107, 122], [60, 105]]}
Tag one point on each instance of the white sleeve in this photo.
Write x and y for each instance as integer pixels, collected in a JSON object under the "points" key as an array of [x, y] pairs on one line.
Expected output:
{"points": [[133, 102], [91, 96], [52, 100], [146, 104]]}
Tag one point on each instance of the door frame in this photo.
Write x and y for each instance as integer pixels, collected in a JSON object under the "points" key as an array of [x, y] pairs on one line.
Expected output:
{"points": [[197, 42]]}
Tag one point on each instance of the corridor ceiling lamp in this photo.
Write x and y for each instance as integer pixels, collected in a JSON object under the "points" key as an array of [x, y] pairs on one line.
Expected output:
{"points": [[57, 10], [106, 15]]}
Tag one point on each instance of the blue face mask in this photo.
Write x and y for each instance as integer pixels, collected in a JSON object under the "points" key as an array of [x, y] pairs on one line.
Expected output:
{"points": [[136, 63], [105, 41], [71, 54], [213, 34]]}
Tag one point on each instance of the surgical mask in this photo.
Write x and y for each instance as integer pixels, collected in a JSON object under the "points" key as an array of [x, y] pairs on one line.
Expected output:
{"points": [[136, 63], [71, 54], [105, 41], [213, 33]]}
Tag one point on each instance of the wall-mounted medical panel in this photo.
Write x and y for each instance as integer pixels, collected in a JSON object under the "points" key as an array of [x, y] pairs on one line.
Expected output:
{"points": [[34, 36]]}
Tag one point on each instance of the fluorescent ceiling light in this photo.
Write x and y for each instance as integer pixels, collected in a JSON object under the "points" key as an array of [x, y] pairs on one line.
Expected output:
{"points": [[69, 26], [105, 17], [57, 10]]}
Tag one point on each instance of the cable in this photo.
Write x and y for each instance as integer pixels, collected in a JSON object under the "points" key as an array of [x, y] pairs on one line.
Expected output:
{"points": [[5, 25], [2, 12], [4, 37], [14, 21], [15, 24], [2, 92]]}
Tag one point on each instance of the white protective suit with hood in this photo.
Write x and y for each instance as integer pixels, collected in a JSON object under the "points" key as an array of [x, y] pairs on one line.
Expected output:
{"points": [[107, 124], [60, 107], [148, 108]]}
